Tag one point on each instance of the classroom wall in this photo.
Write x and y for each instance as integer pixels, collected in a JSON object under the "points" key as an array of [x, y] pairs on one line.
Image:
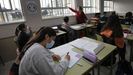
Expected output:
{"points": [[123, 6], [7, 49]]}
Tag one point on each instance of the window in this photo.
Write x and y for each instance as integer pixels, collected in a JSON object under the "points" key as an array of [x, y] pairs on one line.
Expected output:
{"points": [[10, 11], [108, 5], [51, 8], [91, 6]]}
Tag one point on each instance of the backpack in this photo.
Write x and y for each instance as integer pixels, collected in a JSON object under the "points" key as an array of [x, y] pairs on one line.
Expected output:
{"points": [[124, 67]]}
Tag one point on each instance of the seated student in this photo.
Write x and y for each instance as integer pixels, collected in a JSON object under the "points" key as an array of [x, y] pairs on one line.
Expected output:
{"points": [[104, 17], [22, 36], [113, 34], [36, 58], [66, 27], [103, 20], [128, 19], [80, 15], [96, 19]]}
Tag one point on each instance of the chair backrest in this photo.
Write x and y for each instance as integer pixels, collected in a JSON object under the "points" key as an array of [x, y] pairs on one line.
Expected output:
{"points": [[99, 37]]}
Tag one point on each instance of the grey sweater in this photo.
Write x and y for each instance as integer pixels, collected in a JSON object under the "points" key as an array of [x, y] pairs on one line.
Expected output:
{"points": [[38, 61]]}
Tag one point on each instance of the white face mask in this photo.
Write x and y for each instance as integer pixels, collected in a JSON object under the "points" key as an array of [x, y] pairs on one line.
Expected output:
{"points": [[50, 45]]}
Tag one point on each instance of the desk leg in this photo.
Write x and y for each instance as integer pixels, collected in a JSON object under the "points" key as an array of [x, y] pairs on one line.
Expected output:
{"points": [[111, 67], [131, 51], [98, 70], [2, 61], [93, 71]]}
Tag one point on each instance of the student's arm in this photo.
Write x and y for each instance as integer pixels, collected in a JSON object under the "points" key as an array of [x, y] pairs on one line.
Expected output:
{"points": [[46, 65], [73, 10]]}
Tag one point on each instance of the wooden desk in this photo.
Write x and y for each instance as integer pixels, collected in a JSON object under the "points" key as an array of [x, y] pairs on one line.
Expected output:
{"points": [[107, 50], [125, 27], [60, 38], [60, 32], [87, 66], [81, 26], [80, 70], [84, 28], [130, 39]]}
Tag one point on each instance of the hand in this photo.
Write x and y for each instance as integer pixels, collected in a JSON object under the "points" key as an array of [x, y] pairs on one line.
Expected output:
{"points": [[67, 57], [56, 57]]}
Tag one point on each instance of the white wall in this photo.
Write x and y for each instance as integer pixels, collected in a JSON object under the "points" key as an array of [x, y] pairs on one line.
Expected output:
{"points": [[123, 6]]}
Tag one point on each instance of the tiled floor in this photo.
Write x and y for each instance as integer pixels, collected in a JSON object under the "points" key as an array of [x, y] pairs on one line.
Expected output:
{"points": [[104, 71]]}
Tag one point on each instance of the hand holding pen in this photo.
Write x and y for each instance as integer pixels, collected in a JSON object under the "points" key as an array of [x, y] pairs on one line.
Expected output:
{"points": [[67, 56]]}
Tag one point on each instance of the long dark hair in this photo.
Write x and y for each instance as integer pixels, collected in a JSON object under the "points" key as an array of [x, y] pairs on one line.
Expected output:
{"points": [[22, 37], [19, 28], [114, 24], [39, 37]]}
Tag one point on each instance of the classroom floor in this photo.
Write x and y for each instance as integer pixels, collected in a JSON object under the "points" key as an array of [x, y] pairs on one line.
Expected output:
{"points": [[104, 70]]}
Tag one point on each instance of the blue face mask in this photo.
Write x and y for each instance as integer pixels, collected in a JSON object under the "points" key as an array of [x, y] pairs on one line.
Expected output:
{"points": [[50, 45]]}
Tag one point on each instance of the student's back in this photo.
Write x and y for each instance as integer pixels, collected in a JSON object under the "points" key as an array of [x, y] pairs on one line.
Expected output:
{"points": [[113, 34], [128, 19], [22, 36]]}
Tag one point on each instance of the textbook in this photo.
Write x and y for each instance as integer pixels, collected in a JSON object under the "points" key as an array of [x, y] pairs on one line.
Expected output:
{"points": [[89, 46]]}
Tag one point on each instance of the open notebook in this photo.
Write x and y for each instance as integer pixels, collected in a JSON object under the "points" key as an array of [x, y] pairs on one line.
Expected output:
{"points": [[63, 50], [74, 58]]}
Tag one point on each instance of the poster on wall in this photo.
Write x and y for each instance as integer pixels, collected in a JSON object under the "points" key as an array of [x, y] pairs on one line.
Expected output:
{"points": [[32, 7]]}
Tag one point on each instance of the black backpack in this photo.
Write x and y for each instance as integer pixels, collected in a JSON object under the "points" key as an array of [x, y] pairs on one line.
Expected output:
{"points": [[124, 67]]}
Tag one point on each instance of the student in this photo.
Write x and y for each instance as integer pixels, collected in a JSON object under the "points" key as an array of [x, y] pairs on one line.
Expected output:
{"points": [[24, 32], [96, 21], [80, 16], [22, 37], [128, 19], [103, 20], [104, 17], [113, 34], [38, 60], [66, 27]]}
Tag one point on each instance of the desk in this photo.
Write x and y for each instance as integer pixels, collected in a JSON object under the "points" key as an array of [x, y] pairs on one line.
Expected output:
{"points": [[60, 38], [108, 49], [130, 39], [60, 32], [87, 65], [125, 27], [81, 26], [78, 28]]}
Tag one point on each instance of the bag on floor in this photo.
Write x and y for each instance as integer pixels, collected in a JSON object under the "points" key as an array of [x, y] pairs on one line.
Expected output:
{"points": [[124, 67]]}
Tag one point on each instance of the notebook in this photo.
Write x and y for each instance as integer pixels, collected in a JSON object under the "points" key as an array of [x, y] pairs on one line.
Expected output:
{"points": [[74, 58], [63, 50]]}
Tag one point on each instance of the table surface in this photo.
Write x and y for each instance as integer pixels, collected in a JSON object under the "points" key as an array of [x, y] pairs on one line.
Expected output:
{"points": [[87, 65], [81, 26], [60, 32]]}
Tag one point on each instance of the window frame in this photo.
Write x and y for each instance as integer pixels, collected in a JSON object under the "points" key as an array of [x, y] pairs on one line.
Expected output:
{"points": [[109, 6], [92, 7], [64, 10], [5, 13]]}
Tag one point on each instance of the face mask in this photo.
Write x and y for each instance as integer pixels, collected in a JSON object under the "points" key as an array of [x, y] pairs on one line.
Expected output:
{"points": [[50, 45]]}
